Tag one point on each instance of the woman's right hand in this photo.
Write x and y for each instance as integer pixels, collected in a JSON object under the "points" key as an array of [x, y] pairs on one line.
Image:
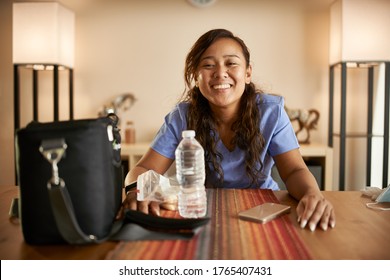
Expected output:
{"points": [[151, 160], [131, 203], [147, 207]]}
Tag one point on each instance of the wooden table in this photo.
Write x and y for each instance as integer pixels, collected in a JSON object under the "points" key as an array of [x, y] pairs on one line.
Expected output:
{"points": [[360, 233]]}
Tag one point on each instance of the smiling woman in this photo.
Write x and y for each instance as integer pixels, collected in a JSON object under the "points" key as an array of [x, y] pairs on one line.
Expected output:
{"points": [[243, 131], [222, 75]]}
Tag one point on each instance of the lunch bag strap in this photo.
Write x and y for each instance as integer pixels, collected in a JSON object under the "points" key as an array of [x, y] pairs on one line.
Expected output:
{"points": [[65, 217], [63, 211]]}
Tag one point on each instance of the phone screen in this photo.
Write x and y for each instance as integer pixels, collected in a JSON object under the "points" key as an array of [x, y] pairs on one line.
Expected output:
{"points": [[265, 212]]}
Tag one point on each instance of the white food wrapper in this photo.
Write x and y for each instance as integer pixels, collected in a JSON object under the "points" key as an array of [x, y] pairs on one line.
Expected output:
{"points": [[152, 186]]}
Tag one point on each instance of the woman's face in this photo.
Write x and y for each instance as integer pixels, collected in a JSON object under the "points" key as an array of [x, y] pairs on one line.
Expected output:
{"points": [[222, 74]]}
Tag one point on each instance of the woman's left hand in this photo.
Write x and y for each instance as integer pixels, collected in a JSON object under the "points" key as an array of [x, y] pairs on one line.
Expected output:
{"points": [[314, 210]]}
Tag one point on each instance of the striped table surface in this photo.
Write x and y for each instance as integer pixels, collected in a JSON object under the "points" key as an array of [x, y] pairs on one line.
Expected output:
{"points": [[225, 236]]}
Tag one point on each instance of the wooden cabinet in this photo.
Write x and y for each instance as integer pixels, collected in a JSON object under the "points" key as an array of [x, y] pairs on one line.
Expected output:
{"points": [[133, 152], [321, 155]]}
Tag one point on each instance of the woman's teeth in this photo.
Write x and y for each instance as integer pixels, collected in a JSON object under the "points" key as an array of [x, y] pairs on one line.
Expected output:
{"points": [[223, 86]]}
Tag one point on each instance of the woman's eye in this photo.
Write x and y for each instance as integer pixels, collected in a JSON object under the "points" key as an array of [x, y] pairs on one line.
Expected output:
{"points": [[208, 65]]}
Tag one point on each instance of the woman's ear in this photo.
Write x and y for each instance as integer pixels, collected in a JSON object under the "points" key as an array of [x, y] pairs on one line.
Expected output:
{"points": [[196, 79], [248, 75]]}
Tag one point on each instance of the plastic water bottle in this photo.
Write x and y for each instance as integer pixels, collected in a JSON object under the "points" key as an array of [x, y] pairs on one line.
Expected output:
{"points": [[190, 172]]}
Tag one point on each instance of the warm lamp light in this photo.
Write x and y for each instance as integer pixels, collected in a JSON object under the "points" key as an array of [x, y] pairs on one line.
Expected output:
{"points": [[359, 30], [43, 33], [43, 40]]}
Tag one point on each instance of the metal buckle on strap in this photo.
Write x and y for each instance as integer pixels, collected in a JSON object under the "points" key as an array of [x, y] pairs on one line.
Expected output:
{"points": [[53, 151]]}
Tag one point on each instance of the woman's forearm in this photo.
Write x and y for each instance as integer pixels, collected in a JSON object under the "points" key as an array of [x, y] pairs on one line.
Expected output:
{"points": [[301, 182], [134, 173]]}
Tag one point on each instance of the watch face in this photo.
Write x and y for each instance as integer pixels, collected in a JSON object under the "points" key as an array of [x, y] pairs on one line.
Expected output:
{"points": [[202, 3]]}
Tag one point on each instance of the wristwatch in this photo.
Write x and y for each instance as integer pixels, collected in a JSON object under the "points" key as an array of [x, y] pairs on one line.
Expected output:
{"points": [[131, 187]]}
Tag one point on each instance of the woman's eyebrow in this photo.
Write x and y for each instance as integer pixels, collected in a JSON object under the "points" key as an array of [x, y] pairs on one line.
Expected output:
{"points": [[225, 56]]}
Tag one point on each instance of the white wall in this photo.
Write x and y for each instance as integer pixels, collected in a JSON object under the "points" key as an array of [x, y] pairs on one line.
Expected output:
{"points": [[139, 46]]}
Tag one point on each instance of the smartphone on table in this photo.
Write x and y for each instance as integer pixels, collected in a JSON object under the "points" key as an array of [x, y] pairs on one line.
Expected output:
{"points": [[264, 212]]}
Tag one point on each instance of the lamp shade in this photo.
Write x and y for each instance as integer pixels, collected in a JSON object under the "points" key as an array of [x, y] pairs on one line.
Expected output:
{"points": [[43, 32], [359, 30]]}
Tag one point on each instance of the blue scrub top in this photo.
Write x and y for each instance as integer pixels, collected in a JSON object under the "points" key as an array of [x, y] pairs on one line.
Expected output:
{"points": [[275, 127]]}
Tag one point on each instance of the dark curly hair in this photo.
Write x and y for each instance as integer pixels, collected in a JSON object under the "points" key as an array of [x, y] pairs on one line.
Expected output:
{"points": [[246, 128]]}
